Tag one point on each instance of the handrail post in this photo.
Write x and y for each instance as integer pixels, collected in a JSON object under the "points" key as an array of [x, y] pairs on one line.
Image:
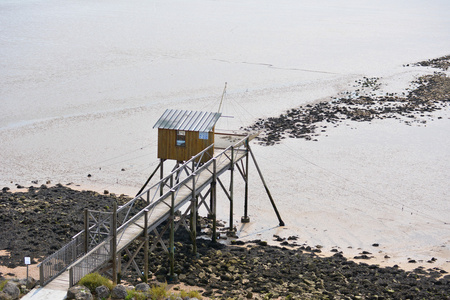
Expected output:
{"points": [[70, 277], [41, 274], [86, 231]]}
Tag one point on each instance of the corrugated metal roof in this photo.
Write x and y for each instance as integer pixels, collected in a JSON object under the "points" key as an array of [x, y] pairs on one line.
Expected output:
{"points": [[187, 120]]}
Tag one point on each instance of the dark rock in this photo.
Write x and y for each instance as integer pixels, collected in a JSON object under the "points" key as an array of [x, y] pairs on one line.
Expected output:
{"points": [[4, 296], [102, 292], [119, 292], [11, 290], [79, 292], [142, 287]]}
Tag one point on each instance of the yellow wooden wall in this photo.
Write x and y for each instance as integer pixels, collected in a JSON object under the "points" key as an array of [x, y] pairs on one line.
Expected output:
{"points": [[168, 149]]}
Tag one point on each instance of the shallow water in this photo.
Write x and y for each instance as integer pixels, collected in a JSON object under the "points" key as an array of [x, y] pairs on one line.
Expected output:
{"points": [[75, 58]]}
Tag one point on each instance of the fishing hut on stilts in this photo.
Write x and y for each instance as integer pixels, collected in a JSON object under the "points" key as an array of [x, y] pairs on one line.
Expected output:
{"points": [[187, 138]]}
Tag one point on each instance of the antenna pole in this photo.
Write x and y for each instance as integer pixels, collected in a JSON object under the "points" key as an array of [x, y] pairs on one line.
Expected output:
{"points": [[223, 94]]}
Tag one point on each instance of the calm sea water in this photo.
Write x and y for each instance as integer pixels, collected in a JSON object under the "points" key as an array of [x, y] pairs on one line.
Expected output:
{"points": [[68, 58]]}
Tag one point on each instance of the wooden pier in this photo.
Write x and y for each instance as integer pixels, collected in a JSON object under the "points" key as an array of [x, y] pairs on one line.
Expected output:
{"points": [[99, 247]]}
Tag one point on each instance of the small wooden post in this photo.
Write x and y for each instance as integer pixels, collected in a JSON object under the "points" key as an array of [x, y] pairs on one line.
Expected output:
{"points": [[41, 274], [86, 230], [245, 218], [119, 267], [114, 243]]}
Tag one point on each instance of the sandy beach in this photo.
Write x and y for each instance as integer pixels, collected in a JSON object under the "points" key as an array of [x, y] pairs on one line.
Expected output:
{"points": [[83, 83]]}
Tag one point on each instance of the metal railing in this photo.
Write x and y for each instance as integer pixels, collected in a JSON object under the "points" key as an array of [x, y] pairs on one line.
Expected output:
{"points": [[56, 263], [94, 259], [187, 174]]}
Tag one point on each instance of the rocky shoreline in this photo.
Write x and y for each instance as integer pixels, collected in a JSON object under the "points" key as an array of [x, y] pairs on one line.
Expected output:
{"points": [[427, 94], [40, 220], [240, 270]]}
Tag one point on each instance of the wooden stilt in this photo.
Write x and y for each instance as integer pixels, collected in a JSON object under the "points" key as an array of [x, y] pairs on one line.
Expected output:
{"points": [[245, 218], [119, 267], [265, 186], [149, 178], [161, 176]]}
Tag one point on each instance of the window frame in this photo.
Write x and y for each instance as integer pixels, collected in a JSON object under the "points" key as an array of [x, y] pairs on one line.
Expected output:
{"points": [[180, 138]]}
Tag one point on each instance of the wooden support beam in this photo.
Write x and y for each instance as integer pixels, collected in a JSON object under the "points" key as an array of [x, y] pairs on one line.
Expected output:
{"points": [[149, 178], [223, 188], [161, 176], [132, 261], [119, 267], [265, 186], [158, 238], [245, 218]]}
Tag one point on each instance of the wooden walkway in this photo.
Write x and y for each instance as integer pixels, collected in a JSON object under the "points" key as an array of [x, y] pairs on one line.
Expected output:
{"points": [[159, 213]]}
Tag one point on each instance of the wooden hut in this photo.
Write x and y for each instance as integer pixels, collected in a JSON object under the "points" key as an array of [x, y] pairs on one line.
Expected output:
{"points": [[182, 134]]}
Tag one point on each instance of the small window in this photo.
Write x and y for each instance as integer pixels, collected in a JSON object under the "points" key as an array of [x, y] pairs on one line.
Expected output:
{"points": [[181, 138]]}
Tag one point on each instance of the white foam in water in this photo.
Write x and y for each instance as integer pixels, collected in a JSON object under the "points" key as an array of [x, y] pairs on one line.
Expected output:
{"points": [[83, 82]]}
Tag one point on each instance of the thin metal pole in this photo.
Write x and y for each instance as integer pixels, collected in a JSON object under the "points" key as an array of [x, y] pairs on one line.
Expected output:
{"points": [[245, 218], [86, 230], [265, 186], [231, 188], [114, 243], [213, 202]]}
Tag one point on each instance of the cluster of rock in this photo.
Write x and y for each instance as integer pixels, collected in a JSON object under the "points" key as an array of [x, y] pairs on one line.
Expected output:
{"points": [[428, 94], [118, 292], [39, 221], [442, 63], [255, 269], [14, 288]]}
